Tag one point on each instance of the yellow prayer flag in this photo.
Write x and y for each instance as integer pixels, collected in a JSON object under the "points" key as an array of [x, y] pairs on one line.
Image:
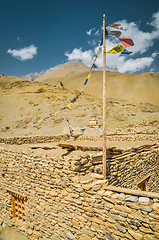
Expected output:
{"points": [[89, 74], [116, 49], [68, 104]]}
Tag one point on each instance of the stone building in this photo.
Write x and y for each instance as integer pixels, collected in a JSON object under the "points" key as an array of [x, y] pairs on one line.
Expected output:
{"points": [[52, 193]]}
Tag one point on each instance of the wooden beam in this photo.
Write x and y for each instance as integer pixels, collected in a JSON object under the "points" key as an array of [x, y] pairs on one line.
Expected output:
{"points": [[133, 192]]}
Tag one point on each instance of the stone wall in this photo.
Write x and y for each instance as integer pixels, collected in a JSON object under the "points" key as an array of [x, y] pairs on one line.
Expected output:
{"points": [[128, 168], [34, 139], [64, 204]]}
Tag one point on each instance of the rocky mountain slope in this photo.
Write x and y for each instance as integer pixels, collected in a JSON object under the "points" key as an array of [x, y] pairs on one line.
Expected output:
{"points": [[132, 101]]}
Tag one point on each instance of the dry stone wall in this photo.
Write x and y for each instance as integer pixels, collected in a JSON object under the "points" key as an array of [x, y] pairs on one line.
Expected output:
{"points": [[127, 168], [64, 204], [34, 139]]}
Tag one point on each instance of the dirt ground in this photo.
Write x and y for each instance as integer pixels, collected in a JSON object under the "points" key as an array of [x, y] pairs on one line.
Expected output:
{"points": [[34, 108]]}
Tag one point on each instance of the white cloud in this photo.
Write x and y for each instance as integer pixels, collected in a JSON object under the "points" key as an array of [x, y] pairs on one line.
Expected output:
{"points": [[23, 53], [155, 21], [143, 41], [97, 33], [77, 54], [90, 31]]}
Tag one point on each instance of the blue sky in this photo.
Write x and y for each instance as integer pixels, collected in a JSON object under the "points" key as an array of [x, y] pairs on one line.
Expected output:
{"points": [[38, 34]]}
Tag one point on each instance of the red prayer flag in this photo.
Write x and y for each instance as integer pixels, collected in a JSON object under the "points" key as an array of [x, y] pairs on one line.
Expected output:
{"points": [[114, 25], [127, 42], [78, 94]]}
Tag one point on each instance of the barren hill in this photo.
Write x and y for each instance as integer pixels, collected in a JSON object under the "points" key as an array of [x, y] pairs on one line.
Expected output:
{"points": [[138, 87], [132, 101]]}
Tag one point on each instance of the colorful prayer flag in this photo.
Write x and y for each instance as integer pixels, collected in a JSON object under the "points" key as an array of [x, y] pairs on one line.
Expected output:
{"points": [[73, 100], [125, 51], [78, 94], [99, 50], [86, 81], [116, 49], [89, 74], [94, 66], [106, 32], [115, 33], [127, 42], [114, 25]]}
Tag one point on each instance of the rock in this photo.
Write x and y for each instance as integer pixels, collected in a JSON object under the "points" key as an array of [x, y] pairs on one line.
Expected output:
{"points": [[144, 201], [70, 236], [146, 208], [145, 230], [121, 229], [149, 237], [84, 161], [29, 231], [134, 222], [122, 196], [123, 208], [133, 205], [135, 235], [131, 199], [98, 176], [155, 207], [87, 186], [155, 226], [107, 234]]}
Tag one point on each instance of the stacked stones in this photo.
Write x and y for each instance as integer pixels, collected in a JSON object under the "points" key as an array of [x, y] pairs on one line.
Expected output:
{"points": [[62, 204], [81, 163], [35, 139], [127, 167]]}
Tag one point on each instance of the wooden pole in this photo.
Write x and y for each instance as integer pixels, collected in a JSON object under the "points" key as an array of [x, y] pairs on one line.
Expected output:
{"points": [[104, 101]]}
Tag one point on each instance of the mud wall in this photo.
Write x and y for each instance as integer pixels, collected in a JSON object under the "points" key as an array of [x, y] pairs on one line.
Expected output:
{"points": [[62, 204]]}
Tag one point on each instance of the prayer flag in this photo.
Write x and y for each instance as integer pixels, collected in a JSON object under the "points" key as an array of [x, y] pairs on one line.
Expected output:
{"points": [[89, 74], [127, 42], [86, 80], [69, 125], [95, 59], [63, 108], [114, 25], [115, 33], [106, 32], [99, 51], [116, 49], [94, 66], [73, 100], [68, 104], [83, 130], [125, 51], [78, 94]]}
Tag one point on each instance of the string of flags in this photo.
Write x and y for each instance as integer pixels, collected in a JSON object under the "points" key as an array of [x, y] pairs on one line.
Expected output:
{"points": [[70, 103], [69, 126], [127, 42]]}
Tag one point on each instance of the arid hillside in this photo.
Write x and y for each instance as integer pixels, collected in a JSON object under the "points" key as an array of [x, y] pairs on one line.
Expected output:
{"points": [[139, 87], [132, 102]]}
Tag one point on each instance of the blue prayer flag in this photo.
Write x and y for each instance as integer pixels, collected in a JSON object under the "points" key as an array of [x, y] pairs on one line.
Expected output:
{"points": [[86, 81]]}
